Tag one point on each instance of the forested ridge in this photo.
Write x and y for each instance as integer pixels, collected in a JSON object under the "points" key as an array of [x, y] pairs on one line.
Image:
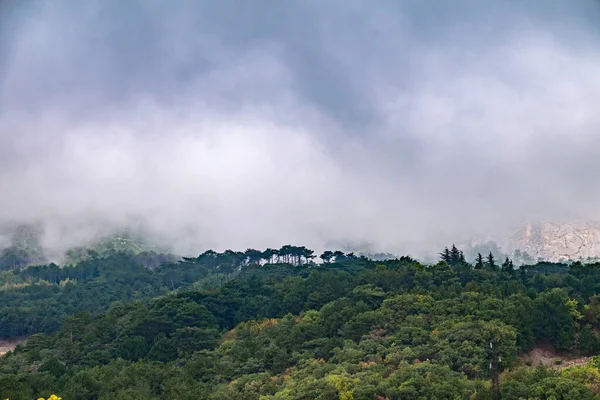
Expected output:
{"points": [[274, 324]]}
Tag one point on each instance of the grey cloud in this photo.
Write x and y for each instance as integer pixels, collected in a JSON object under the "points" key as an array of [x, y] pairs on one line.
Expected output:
{"points": [[231, 124]]}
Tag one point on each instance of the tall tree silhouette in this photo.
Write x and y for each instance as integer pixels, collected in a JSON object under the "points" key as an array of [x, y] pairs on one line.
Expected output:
{"points": [[479, 264], [491, 262]]}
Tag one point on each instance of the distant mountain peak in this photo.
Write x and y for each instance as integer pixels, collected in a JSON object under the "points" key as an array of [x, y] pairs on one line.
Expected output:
{"points": [[558, 240]]}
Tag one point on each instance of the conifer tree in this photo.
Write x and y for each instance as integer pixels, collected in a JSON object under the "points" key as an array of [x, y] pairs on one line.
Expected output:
{"points": [[479, 261], [445, 255], [461, 258], [491, 262], [454, 255]]}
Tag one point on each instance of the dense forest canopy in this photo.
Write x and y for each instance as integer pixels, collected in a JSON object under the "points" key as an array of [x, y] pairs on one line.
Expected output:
{"points": [[273, 324]]}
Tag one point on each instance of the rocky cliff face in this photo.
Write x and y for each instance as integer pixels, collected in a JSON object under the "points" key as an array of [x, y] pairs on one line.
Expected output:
{"points": [[555, 242]]}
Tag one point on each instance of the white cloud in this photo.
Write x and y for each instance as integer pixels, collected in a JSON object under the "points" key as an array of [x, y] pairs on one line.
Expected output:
{"points": [[385, 125]]}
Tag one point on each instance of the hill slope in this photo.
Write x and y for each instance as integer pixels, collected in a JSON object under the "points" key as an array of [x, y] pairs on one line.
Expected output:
{"points": [[558, 241]]}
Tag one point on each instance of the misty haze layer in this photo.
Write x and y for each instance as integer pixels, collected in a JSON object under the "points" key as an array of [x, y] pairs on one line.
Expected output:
{"points": [[402, 124]]}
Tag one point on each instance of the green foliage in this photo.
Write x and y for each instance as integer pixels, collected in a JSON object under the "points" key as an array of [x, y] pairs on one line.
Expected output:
{"points": [[588, 342], [544, 383], [274, 325]]}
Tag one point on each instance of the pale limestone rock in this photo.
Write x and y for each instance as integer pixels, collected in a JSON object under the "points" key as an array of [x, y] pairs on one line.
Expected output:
{"points": [[558, 241]]}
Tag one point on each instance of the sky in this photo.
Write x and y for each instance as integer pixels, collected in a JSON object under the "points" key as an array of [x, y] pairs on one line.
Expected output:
{"points": [[397, 125]]}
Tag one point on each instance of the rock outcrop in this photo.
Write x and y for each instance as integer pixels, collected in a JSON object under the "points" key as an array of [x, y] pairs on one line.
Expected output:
{"points": [[553, 241]]}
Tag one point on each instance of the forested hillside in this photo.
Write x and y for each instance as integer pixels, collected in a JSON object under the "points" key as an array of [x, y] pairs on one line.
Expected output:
{"points": [[274, 324]]}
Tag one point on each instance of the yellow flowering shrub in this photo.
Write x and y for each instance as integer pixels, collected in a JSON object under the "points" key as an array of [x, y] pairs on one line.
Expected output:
{"points": [[53, 397]]}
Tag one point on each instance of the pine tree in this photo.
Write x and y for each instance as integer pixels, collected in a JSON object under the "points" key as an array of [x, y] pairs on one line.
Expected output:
{"points": [[445, 255], [491, 262], [454, 255], [479, 261], [506, 265], [327, 256]]}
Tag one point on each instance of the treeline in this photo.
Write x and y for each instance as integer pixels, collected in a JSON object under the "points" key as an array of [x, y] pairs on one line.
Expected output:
{"points": [[244, 325], [37, 298]]}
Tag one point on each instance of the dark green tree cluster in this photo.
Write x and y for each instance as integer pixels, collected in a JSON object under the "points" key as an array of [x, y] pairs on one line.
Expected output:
{"points": [[453, 256], [275, 325]]}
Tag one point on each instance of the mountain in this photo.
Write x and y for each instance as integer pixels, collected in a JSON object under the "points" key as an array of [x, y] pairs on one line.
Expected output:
{"points": [[106, 245], [556, 241], [124, 242], [24, 247]]}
